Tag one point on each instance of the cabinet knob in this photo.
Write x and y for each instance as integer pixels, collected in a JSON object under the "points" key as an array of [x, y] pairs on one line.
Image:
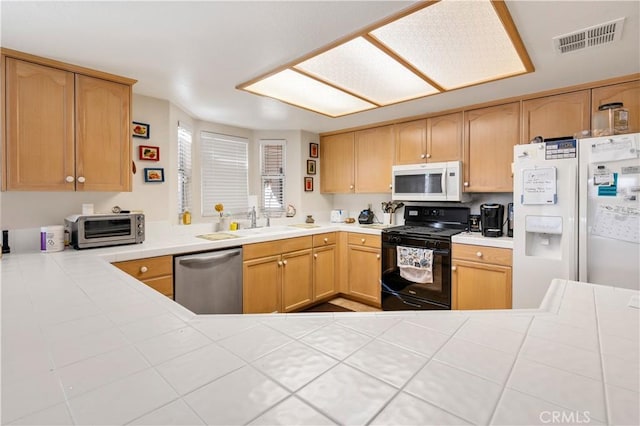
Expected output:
{"points": [[144, 269], [428, 155], [315, 256], [81, 179], [423, 156], [362, 240], [350, 186], [479, 254], [69, 179], [390, 186], [279, 263], [466, 184], [284, 262], [454, 268], [326, 240], [378, 256]]}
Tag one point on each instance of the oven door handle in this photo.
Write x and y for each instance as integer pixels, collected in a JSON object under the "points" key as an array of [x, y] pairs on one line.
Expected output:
{"points": [[442, 252], [410, 304]]}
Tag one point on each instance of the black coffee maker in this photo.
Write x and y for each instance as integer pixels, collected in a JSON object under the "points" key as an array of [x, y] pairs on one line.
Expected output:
{"points": [[491, 219]]}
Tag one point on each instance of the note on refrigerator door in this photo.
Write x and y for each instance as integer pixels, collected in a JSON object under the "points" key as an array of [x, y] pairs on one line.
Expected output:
{"points": [[539, 186], [617, 222]]}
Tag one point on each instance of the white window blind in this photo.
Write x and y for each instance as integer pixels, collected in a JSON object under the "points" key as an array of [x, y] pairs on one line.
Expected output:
{"points": [[224, 173], [184, 168], [272, 166]]}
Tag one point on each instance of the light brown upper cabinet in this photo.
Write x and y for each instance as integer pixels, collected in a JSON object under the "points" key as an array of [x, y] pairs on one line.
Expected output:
{"points": [[374, 158], [357, 162], [627, 93], [555, 116], [337, 163], [64, 130], [490, 135], [429, 140]]}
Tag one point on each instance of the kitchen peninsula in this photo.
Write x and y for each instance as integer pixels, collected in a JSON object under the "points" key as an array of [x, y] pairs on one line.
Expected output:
{"points": [[85, 343]]}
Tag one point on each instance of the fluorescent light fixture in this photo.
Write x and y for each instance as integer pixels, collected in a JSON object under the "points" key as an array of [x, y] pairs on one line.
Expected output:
{"points": [[427, 49]]}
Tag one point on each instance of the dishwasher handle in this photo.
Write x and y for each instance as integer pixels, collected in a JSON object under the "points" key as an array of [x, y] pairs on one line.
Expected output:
{"points": [[199, 259]]}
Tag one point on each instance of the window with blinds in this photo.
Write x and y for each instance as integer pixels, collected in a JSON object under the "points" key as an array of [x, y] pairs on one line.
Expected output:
{"points": [[184, 168], [225, 169], [272, 155]]}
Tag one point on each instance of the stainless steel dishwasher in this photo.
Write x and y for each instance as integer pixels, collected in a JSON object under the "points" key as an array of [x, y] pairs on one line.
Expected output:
{"points": [[210, 282]]}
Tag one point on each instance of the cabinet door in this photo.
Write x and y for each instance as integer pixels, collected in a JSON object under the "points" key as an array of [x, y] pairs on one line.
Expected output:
{"points": [[555, 116], [39, 127], [336, 163], [374, 158], [490, 135], [627, 93], [103, 135], [411, 142], [324, 272], [444, 138], [480, 286], [364, 273], [297, 280], [261, 285]]}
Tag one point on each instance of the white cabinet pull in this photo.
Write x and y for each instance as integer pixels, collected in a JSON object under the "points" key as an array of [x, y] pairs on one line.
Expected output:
{"points": [[454, 268], [423, 156], [326, 240], [378, 256], [428, 155], [363, 240], [81, 179], [350, 186], [390, 186], [479, 254], [315, 256], [466, 184], [279, 263], [284, 262], [144, 269], [69, 179]]}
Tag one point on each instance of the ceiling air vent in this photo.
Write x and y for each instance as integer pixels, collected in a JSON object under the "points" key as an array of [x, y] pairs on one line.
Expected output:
{"points": [[589, 37]]}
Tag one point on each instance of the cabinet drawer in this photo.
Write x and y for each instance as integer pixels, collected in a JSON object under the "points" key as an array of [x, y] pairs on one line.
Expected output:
{"points": [[162, 285], [483, 254], [366, 240], [273, 248], [326, 239], [155, 267]]}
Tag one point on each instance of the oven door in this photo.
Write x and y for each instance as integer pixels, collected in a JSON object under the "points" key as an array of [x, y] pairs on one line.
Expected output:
{"points": [[434, 295], [106, 230]]}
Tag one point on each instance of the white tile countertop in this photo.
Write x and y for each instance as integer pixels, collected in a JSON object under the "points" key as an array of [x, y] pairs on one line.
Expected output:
{"points": [[85, 343], [476, 239]]}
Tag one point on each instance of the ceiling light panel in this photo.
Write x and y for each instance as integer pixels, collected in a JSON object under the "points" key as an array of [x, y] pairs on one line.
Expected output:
{"points": [[454, 43], [363, 69], [294, 88]]}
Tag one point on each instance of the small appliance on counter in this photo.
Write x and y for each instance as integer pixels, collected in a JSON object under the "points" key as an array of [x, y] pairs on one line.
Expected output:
{"points": [[491, 219], [474, 223], [510, 220], [102, 230], [338, 216], [365, 217]]}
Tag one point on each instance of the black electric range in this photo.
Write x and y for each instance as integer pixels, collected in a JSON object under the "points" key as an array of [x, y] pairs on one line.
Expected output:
{"points": [[416, 258]]}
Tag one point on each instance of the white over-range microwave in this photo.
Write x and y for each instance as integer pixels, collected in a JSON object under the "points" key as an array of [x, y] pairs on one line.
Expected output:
{"points": [[428, 182]]}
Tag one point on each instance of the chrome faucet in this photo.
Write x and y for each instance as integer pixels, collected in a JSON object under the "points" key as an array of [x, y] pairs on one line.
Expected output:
{"points": [[252, 216]]}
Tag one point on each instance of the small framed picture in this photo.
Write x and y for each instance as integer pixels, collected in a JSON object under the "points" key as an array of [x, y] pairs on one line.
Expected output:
{"points": [[140, 130], [311, 167], [308, 184], [313, 150], [151, 153], [154, 175]]}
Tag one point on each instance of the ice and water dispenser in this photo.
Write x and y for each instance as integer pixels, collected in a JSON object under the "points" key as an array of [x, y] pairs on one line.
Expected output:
{"points": [[543, 236]]}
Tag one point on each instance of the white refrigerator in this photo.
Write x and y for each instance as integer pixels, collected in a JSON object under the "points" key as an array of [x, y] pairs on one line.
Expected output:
{"points": [[576, 214]]}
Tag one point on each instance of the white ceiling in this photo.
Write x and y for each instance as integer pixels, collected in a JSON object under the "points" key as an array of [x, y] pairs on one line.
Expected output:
{"points": [[195, 53]]}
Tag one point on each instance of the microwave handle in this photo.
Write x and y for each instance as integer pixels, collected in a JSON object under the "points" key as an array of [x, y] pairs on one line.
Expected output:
{"points": [[444, 181]]}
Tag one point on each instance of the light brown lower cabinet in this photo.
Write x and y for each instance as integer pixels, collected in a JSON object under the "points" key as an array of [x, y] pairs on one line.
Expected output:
{"points": [[156, 272], [363, 262], [277, 275], [481, 277], [325, 273]]}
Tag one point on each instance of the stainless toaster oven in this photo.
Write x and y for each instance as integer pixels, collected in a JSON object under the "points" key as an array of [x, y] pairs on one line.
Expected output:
{"points": [[102, 230]]}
